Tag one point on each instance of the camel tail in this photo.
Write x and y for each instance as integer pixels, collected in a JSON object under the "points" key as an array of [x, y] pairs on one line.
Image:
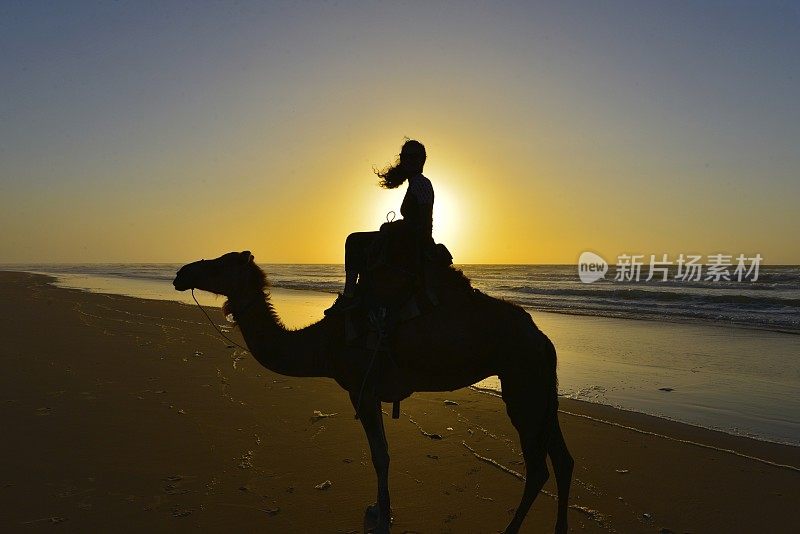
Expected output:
{"points": [[548, 356], [551, 350], [548, 361], [550, 367]]}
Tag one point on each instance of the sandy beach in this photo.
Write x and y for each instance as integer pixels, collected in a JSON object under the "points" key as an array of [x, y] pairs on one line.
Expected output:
{"points": [[123, 414]]}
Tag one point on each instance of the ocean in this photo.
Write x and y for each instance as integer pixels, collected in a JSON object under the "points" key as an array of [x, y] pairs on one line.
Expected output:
{"points": [[770, 303], [722, 355]]}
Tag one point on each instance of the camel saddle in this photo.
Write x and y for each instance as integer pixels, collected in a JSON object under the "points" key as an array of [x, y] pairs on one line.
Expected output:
{"points": [[397, 286]]}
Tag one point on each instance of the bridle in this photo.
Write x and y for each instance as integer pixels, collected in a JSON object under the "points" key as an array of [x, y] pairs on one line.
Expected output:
{"points": [[215, 324]]}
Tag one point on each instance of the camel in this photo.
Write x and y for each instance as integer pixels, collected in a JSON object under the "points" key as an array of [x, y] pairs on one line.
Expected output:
{"points": [[469, 336]]}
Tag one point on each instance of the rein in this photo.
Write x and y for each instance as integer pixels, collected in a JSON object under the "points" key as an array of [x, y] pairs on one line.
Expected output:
{"points": [[215, 325]]}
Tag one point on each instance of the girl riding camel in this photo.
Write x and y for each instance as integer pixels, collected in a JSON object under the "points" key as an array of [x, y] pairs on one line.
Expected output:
{"points": [[416, 209]]}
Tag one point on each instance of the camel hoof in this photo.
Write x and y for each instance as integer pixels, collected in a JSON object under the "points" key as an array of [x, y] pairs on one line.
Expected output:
{"points": [[372, 522]]}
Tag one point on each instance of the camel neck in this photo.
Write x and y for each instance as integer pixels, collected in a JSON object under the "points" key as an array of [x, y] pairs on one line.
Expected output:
{"points": [[287, 352]]}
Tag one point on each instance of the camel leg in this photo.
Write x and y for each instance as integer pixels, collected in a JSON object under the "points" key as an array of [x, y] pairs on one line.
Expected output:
{"points": [[371, 419], [528, 413], [562, 466]]}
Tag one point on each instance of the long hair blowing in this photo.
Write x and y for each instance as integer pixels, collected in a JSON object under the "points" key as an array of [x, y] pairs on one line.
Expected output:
{"points": [[409, 163]]}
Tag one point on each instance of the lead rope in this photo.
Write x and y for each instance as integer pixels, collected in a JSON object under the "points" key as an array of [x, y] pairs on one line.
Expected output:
{"points": [[215, 325], [366, 374]]}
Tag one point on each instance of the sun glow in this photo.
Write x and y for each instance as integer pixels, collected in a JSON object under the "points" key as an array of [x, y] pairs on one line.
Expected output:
{"points": [[446, 217], [447, 212]]}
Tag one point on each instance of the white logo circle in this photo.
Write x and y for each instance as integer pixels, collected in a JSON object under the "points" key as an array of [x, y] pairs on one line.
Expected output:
{"points": [[591, 267]]}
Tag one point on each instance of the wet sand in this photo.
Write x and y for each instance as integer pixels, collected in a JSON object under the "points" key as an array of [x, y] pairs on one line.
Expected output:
{"points": [[123, 414]]}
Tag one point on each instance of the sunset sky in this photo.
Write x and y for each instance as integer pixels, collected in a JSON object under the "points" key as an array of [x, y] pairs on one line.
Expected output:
{"points": [[169, 131]]}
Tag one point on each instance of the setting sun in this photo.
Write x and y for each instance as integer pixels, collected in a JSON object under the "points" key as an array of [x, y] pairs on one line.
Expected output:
{"points": [[451, 207]]}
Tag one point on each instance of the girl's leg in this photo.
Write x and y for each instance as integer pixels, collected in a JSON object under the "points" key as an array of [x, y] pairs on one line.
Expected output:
{"points": [[355, 258]]}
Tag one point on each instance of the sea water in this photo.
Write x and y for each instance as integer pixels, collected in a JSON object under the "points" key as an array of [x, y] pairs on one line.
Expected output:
{"points": [[723, 355]]}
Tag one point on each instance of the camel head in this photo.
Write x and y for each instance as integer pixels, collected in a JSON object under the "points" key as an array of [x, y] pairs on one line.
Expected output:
{"points": [[232, 274]]}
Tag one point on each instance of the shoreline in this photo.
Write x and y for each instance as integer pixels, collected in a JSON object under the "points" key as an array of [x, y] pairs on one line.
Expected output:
{"points": [[747, 447], [117, 275], [160, 426], [299, 308]]}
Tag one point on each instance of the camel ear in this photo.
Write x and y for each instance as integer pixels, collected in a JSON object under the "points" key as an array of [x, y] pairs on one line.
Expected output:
{"points": [[246, 256]]}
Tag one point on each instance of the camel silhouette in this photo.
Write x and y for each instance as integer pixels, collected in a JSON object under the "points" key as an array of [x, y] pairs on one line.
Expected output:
{"points": [[466, 338]]}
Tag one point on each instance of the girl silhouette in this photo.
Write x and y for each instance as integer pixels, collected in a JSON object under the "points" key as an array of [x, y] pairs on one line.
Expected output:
{"points": [[416, 209]]}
